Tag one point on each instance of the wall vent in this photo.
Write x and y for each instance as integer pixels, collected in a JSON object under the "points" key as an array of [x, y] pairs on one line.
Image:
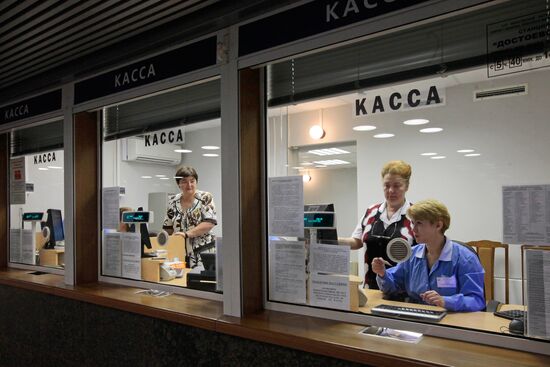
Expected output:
{"points": [[515, 90]]}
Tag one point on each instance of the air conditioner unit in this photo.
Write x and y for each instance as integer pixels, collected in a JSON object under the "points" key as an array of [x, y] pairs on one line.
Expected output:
{"points": [[134, 150]]}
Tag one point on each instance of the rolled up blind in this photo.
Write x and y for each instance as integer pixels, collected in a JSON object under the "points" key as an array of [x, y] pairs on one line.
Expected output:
{"points": [[426, 50], [36, 139], [184, 106]]}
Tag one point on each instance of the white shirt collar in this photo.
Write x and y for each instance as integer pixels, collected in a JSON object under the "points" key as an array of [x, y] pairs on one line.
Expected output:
{"points": [[446, 252], [396, 217]]}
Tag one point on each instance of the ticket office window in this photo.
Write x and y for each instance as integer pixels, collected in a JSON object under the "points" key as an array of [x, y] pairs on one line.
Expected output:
{"points": [[146, 143], [470, 121], [36, 170]]}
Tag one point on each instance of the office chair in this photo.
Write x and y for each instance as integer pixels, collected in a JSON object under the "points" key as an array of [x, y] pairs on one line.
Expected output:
{"points": [[486, 253]]}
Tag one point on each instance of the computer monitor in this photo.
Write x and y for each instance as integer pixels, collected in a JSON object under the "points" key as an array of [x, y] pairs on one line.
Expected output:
{"points": [[145, 240], [320, 223], [209, 261], [55, 223]]}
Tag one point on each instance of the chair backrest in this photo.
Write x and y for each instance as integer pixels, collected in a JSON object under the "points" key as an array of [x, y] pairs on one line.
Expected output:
{"points": [[486, 253]]}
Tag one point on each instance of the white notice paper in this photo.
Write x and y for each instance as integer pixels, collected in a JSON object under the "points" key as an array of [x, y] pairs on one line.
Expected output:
{"points": [[28, 247], [112, 254], [15, 245], [286, 206], [131, 255], [330, 291], [526, 214], [329, 259], [110, 206], [17, 180], [287, 271]]}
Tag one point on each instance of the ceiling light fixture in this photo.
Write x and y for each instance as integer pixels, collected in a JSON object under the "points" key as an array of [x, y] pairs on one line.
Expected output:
{"points": [[428, 154], [383, 136], [438, 157], [416, 121], [210, 147], [328, 151], [316, 131], [182, 150], [465, 151], [472, 155], [306, 177], [364, 128], [210, 155], [431, 130]]}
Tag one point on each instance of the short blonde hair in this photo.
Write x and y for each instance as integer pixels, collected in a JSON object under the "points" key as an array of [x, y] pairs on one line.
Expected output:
{"points": [[400, 168], [431, 210]]}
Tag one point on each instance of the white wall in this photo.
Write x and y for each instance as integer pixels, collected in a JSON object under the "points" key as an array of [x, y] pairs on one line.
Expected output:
{"points": [[48, 189], [511, 134]]}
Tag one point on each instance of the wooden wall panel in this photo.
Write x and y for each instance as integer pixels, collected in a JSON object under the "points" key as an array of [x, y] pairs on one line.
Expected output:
{"points": [[86, 186], [4, 200], [250, 189]]}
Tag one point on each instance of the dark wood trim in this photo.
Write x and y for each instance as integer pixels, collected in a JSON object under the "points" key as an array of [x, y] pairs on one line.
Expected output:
{"points": [[250, 190], [86, 181], [4, 200]]}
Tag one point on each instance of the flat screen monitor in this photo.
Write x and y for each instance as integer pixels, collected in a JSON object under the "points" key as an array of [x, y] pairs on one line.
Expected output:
{"points": [[55, 223], [145, 240], [322, 219], [209, 261]]}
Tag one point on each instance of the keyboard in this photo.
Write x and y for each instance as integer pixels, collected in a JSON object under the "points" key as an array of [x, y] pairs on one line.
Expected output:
{"points": [[511, 314], [408, 312]]}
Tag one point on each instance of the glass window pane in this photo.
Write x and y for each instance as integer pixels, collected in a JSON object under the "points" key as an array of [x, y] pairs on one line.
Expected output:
{"points": [[162, 168], [474, 135], [37, 195]]}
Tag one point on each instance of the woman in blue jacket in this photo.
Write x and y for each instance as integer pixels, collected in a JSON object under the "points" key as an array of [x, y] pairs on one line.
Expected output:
{"points": [[439, 272]]}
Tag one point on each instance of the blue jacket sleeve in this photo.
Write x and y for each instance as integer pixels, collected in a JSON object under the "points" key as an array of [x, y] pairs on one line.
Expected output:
{"points": [[393, 280], [470, 296]]}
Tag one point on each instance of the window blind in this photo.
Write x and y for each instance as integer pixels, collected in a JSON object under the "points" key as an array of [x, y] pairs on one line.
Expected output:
{"points": [[36, 139], [184, 106]]}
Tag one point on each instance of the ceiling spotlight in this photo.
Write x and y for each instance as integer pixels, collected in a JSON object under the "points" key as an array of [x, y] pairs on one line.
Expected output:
{"points": [[55, 167], [383, 136], [472, 155], [416, 122], [42, 169], [431, 130], [210, 155], [465, 151], [438, 157], [146, 177], [306, 177], [428, 154], [316, 132], [182, 150], [364, 128], [210, 147]]}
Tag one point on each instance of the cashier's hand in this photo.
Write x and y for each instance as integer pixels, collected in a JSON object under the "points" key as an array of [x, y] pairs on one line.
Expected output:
{"points": [[378, 266], [433, 298]]}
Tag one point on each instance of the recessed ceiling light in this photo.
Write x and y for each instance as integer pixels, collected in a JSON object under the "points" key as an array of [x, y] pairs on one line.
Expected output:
{"points": [[438, 157], [182, 150], [364, 128], [465, 151], [146, 177], [210, 147], [164, 178], [306, 178], [331, 162], [42, 169], [55, 167], [472, 155], [430, 130], [160, 175], [383, 136], [416, 122], [428, 154], [210, 155], [328, 151]]}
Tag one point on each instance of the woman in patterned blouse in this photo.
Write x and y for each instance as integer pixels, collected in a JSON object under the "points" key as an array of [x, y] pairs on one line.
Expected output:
{"points": [[192, 215]]}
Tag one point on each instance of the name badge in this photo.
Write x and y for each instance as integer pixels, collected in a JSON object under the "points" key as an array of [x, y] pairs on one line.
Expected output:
{"points": [[446, 282]]}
